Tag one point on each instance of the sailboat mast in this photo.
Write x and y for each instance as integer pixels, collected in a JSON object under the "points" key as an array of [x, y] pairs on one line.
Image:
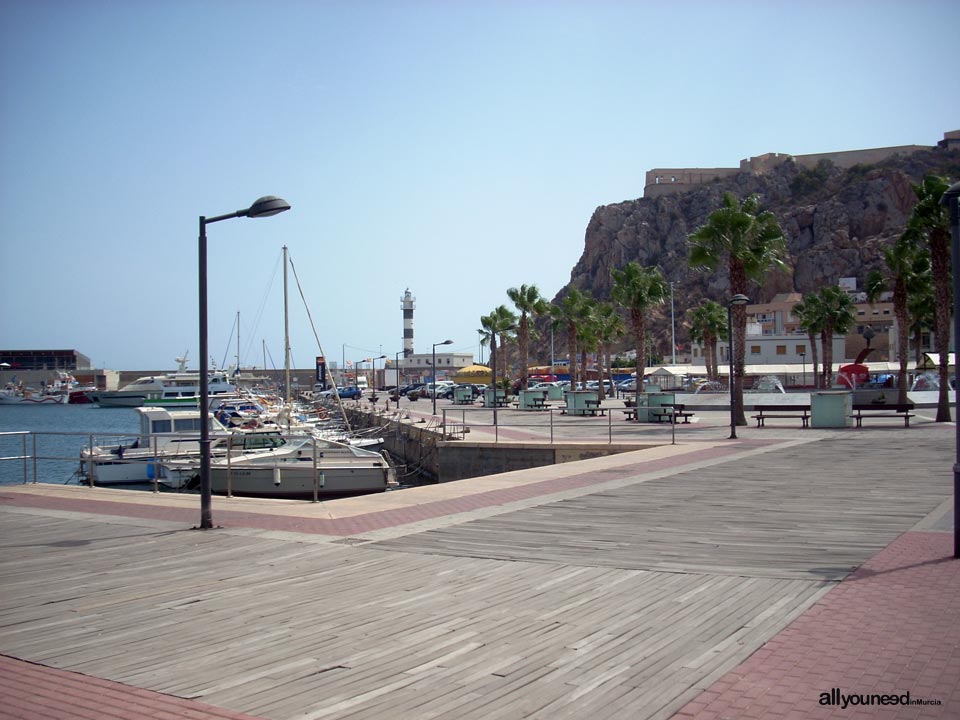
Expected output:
{"points": [[286, 333], [238, 341]]}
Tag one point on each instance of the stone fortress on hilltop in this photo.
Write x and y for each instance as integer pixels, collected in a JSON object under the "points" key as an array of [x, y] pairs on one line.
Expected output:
{"points": [[665, 181]]}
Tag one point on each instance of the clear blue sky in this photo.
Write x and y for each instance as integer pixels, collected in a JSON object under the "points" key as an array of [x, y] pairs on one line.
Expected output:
{"points": [[455, 148]]}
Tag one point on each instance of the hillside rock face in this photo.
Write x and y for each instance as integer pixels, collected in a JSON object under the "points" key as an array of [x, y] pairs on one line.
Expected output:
{"points": [[836, 222]]}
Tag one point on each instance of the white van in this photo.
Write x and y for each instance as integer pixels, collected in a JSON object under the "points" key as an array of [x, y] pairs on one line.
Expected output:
{"points": [[362, 382]]}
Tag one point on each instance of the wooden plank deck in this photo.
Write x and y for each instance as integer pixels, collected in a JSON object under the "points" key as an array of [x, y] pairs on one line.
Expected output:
{"points": [[621, 603]]}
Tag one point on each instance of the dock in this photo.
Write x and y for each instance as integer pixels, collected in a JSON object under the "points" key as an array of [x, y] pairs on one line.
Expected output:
{"points": [[713, 578]]}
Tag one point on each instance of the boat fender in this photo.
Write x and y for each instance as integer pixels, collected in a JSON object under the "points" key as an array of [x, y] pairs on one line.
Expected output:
{"points": [[276, 477]]}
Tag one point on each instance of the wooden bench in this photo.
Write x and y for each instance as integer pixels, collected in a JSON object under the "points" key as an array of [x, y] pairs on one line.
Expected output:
{"points": [[781, 411], [873, 410], [630, 414]]}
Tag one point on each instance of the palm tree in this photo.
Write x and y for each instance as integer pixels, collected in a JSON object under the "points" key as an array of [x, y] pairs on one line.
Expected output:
{"points": [[504, 322], [497, 324], [568, 313], [751, 241], [609, 326], [906, 265], [809, 313], [708, 323], [530, 303], [637, 289], [838, 318], [929, 220], [587, 334]]}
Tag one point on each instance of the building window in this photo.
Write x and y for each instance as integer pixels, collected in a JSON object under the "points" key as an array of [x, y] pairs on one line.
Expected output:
{"points": [[781, 349], [801, 350], [754, 349]]}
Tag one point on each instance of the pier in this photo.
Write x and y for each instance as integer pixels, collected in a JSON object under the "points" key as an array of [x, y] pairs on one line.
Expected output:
{"points": [[709, 578]]}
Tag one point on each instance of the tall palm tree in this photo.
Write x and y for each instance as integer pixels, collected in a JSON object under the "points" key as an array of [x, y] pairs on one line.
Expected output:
{"points": [[809, 313], [587, 335], [708, 323], [609, 327], [497, 325], [751, 241], [530, 303], [567, 314], [930, 220], [638, 289], [838, 318], [906, 265], [503, 325]]}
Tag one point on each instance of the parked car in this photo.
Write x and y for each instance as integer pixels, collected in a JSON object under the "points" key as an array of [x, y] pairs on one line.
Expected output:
{"points": [[347, 393]]}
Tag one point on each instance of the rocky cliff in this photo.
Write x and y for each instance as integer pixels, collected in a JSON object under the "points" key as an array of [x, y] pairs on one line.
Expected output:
{"points": [[836, 223]]}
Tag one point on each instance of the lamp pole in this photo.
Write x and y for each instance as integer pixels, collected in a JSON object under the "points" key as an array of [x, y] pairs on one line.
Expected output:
{"points": [[673, 328], [803, 360], [263, 207], [445, 342], [951, 199], [373, 383], [737, 299], [396, 360]]}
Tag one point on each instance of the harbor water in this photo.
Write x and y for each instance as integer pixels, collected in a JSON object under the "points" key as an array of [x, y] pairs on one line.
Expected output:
{"points": [[70, 428]]}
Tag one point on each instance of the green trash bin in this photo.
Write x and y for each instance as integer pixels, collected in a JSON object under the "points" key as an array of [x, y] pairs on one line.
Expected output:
{"points": [[831, 409]]}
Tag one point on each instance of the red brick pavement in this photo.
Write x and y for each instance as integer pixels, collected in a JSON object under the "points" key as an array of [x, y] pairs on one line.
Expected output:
{"points": [[36, 692], [889, 628], [368, 522]]}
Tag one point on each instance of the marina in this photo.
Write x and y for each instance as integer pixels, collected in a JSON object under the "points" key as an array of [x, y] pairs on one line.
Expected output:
{"points": [[642, 584]]}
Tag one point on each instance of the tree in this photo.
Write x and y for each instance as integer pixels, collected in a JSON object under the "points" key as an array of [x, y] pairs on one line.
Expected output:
{"points": [[568, 313], [530, 303], [751, 241], [809, 313], [497, 324], [930, 221], [637, 289], [708, 323], [609, 327], [838, 318], [907, 265]]}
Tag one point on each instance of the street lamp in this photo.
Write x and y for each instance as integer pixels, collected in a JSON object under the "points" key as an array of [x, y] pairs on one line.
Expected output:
{"points": [[396, 360], [263, 207], [737, 299], [373, 380], [951, 199], [445, 342]]}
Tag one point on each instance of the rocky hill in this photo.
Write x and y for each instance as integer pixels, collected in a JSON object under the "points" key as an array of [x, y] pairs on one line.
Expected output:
{"points": [[836, 222]]}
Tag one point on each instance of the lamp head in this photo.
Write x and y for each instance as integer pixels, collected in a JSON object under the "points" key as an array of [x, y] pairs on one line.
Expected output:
{"points": [[950, 193], [739, 299], [266, 206]]}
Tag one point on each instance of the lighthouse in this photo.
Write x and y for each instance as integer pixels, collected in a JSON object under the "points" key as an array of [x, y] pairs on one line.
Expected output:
{"points": [[407, 302]]}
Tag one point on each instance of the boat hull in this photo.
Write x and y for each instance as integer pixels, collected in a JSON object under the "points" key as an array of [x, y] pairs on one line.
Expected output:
{"points": [[294, 481]]}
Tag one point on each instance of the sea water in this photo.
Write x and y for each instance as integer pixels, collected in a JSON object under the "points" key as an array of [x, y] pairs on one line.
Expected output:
{"points": [[59, 434]]}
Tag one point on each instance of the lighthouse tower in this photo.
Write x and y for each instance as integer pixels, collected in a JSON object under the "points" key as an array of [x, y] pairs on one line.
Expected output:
{"points": [[408, 305]]}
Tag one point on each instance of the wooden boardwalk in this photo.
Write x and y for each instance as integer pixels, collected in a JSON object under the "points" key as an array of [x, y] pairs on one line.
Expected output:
{"points": [[625, 602]]}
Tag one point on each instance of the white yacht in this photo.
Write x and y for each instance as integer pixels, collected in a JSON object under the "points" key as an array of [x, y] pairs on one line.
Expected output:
{"points": [[296, 469], [165, 435]]}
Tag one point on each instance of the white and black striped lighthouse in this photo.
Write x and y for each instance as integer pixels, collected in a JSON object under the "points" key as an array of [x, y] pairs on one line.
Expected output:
{"points": [[408, 306]]}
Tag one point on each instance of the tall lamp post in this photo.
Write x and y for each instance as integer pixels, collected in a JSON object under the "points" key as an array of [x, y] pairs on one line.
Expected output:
{"points": [[445, 342], [396, 360], [737, 299], [951, 199], [263, 207], [373, 380], [803, 361]]}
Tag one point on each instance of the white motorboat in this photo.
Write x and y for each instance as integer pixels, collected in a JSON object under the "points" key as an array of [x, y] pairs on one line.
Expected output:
{"points": [[165, 435], [178, 389], [301, 466]]}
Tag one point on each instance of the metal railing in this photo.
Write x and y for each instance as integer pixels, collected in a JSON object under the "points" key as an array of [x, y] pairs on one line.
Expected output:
{"points": [[553, 423]]}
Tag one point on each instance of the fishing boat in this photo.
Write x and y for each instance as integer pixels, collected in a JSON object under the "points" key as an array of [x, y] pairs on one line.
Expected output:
{"points": [[17, 394], [301, 467]]}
